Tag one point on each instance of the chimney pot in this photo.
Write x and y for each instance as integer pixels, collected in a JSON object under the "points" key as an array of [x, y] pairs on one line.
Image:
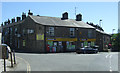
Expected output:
{"points": [[2, 24], [5, 23], [13, 20], [30, 13], [23, 16], [18, 19], [8, 21]]}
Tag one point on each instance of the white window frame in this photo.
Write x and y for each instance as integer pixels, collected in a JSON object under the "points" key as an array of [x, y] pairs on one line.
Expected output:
{"points": [[51, 31], [72, 31]]}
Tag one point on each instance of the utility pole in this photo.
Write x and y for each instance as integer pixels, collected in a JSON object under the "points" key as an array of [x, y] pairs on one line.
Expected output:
{"points": [[75, 11], [113, 31]]}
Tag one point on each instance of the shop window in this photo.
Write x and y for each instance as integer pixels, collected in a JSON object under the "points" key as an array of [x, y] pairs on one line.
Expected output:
{"points": [[82, 45], [49, 46], [51, 31], [85, 43], [92, 43], [89, 44], [90, 33], [72, 32], [70, 45]]}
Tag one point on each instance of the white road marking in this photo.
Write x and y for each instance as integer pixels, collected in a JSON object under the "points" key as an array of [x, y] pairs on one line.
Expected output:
{"points": [[28, 65], [107, 56], [110, 56]]}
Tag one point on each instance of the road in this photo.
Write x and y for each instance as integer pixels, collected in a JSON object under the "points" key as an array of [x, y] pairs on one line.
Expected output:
{"points": [[102, 61]]}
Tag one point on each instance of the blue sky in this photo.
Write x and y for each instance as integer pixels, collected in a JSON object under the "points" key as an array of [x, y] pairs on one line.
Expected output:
{"points": [[91, 11]]}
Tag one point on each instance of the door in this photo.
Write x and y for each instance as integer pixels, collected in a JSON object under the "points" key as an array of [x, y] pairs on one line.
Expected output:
{"points": [[64, 46]]}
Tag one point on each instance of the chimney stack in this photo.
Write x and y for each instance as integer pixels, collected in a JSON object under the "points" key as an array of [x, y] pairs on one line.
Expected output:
{"points": [[64, 16], [23, 16], [18, 19], [13, 20], [5, 23], [2, 24], [29, 13], [79, 17], [8, 21]]}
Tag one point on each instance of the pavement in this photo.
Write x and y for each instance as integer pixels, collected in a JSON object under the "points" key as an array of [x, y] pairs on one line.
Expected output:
{"points": [[8, 65], [20, 65]]}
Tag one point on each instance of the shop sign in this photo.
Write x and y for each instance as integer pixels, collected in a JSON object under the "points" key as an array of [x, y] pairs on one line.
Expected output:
{"points": [[61, 39], [40, 36], [88, 40], [50, 39], [83, 39]]}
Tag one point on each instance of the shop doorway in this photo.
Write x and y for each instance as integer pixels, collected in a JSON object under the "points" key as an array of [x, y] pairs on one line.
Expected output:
{"points": [[64, 46], [55, 46]]}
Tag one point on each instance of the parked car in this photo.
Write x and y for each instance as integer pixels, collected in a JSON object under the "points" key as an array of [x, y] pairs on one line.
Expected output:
{"points": [[87, 49]]}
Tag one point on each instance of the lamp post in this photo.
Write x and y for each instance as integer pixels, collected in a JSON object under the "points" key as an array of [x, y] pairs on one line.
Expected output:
{"points": [[100, 22], [113, 31]]}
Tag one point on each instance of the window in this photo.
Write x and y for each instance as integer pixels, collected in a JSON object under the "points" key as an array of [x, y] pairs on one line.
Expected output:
{"points": [[11, 31], [72, 32], [82, 45], [51, 31], [23, 42], [18, 43], [3, 39], [90, 34], [70, 45], [15, 31], [11, 36], [89, 44], [30, 31]]}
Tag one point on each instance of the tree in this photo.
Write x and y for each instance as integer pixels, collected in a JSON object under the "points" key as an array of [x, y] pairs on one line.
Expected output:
{"points": [[116, 41]]}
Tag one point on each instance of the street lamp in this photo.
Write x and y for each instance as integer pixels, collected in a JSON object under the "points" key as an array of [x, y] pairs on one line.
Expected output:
{"points": [[113, 31], [100, 22]]}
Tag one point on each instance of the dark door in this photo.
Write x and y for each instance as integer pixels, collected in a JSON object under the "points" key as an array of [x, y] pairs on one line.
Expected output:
{"points": [[64, 46]]}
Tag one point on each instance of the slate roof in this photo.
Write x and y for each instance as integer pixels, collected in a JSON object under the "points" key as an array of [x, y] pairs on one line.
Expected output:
{"points": [[55, 21], [102, 32]]}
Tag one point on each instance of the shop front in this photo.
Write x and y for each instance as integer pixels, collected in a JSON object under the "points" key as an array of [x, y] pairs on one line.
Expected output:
{"points": [[87, 42], [60, 44]]}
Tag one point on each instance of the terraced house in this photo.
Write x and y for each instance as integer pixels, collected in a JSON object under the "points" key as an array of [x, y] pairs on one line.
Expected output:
{"points": [[34, 33]]}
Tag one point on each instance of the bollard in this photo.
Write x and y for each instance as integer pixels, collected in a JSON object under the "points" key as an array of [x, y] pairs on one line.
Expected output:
{"points": [[11, 59], [4, 64], [14, 57]]}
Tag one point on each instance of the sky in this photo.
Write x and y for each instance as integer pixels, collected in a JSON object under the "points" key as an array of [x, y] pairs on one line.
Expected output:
{"points": [[91, 11]]}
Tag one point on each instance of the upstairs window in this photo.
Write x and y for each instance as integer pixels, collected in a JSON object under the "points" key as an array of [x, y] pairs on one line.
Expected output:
{"points": [[30, 31], [11, 31], [15, 31], [51, 31], [72, 32], [90, 33]]}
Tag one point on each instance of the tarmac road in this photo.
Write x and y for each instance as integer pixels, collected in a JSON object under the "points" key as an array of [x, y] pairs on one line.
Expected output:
{"points": [[102, 61]]}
